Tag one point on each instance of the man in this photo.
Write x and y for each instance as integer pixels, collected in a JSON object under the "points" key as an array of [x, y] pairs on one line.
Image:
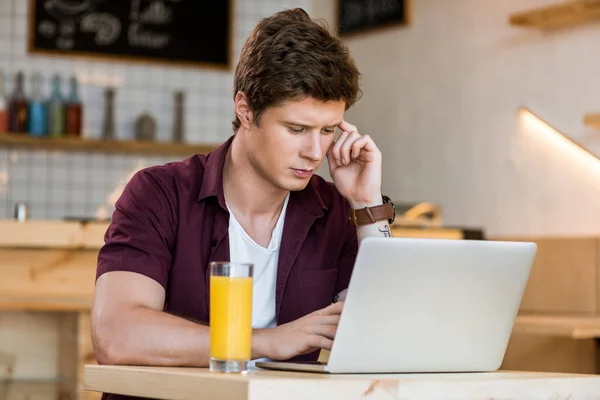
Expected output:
{"points": [[254, 199]]}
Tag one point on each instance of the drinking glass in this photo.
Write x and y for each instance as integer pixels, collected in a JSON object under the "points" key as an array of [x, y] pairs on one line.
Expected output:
{"points": [[230, 316]]}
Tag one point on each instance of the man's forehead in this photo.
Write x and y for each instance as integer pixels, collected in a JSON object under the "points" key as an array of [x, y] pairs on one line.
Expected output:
{"points": [[307, 110], [311, 101]]}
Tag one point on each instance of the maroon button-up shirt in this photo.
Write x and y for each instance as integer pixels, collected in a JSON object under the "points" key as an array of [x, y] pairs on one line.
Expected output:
{"points": [[171, 222]]}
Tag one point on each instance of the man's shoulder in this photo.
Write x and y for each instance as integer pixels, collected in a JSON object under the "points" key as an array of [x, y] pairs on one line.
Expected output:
{"points": [[185, 174]]}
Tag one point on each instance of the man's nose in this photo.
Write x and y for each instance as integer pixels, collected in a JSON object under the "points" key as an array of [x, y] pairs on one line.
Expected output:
{"points": [[312, 148]]}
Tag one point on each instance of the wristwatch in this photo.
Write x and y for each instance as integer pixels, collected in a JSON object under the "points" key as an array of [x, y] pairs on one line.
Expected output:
{"points": [[370, 215]]}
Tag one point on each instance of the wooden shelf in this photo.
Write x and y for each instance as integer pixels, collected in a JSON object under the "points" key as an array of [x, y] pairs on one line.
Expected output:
{"points": [[40, 304], [104, 146], [592, 120], [52, 234], [566, 326], [558, 15]]}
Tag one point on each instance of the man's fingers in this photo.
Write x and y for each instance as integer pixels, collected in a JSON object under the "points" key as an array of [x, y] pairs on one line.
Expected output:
{"points": [[345, 126], [334, 309], [335, 150], [320, 342], [358, 144], [327, 331], [327, 319], [347, 147], [331, 159]]}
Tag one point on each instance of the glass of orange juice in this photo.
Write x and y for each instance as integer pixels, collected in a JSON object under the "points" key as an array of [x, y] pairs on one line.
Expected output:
{"points": [[230, 316]]}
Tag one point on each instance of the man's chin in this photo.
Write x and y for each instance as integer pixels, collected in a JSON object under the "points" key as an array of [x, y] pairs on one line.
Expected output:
{"points": [[296, 185]]}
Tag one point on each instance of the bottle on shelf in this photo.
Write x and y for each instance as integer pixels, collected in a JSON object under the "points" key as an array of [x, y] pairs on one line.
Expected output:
{"points": [[145, 127], [73, 110], [56, 109], [178, 132], [17, 110], [38, 124], [108, 121], [3, 106]]}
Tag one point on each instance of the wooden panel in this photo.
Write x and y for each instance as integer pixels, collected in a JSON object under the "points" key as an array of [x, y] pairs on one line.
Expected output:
{"points": [[571, 327], [24, 390], [563, 277], [7, 365], [558, 15], [324, 355], [51, 234], [104, 146], [47, 279], [550, 354], [67, 355], [31, 340], [47, 346], [85, 355], [592, 120]]}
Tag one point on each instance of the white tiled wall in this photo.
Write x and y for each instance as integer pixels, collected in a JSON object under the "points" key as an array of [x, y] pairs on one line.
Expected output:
{"points": [[441, 99], [57, 184]]}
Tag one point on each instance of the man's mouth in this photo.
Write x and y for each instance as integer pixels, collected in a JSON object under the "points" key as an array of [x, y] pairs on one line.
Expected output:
{"points": [[302, 173]]}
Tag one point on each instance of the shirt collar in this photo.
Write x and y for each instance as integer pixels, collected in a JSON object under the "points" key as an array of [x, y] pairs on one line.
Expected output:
{"points": [[212, 183]]}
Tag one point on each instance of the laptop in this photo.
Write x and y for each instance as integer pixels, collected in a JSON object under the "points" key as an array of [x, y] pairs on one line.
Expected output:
{"points": [[427, 305]]}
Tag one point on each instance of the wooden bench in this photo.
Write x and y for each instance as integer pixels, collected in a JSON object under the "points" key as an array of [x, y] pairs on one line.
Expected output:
{"points": [[48, 270], [558, 325]]}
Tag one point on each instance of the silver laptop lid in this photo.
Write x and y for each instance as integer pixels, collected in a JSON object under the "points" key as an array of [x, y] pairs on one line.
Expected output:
{"points": [[430, 305]]}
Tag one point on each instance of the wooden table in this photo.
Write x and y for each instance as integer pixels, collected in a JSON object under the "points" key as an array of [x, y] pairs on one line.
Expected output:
{"points": [[199, 383]]}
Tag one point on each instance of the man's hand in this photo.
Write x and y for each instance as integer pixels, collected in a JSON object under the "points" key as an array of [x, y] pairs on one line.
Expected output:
{"points": [[355, 166], [312, 332]]}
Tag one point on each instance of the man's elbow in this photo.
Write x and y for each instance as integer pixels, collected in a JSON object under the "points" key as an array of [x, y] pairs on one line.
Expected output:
{"points": [[104, 357], [107, 352], [108, 347]]}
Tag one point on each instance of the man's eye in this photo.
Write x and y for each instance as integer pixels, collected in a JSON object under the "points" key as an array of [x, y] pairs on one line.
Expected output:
{"points": [[329, 131], [296, 130]]}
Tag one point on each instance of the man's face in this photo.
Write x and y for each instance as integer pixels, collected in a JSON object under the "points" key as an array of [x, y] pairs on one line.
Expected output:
{"points": [[291, 140]]}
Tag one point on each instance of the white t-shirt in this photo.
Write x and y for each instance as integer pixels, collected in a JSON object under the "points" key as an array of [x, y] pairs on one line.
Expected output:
{"points": [[243, 248]]}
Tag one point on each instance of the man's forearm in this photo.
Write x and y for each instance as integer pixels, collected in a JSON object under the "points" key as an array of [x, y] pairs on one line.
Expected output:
{"points": [[144, 336], [151, 337]]}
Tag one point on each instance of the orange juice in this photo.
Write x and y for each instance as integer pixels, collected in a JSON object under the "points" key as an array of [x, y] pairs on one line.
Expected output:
{"points": [[230, 317]]}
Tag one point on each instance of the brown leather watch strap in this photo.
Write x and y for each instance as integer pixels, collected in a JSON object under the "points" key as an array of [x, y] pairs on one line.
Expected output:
{"points": [[370, 215]]}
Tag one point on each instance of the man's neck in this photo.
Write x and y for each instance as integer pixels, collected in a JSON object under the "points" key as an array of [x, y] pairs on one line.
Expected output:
{"points": [[247, 193]]}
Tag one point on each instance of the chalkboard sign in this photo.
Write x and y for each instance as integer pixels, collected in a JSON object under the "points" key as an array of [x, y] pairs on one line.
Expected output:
{"points": [[169, 31], [361, 15]]}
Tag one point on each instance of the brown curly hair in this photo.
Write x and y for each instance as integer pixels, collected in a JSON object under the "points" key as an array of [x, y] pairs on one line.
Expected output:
{"points": [[289, 56]]}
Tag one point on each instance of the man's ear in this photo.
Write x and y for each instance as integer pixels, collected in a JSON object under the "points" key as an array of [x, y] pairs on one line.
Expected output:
{"points": [[242, 110]]}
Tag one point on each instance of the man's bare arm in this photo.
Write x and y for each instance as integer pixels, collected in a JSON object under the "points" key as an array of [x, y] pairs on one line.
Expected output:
{"points": [[129, 326]]}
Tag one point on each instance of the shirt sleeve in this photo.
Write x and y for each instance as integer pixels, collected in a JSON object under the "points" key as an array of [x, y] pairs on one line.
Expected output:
{"points": [[142, 231], [347, 259]]}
